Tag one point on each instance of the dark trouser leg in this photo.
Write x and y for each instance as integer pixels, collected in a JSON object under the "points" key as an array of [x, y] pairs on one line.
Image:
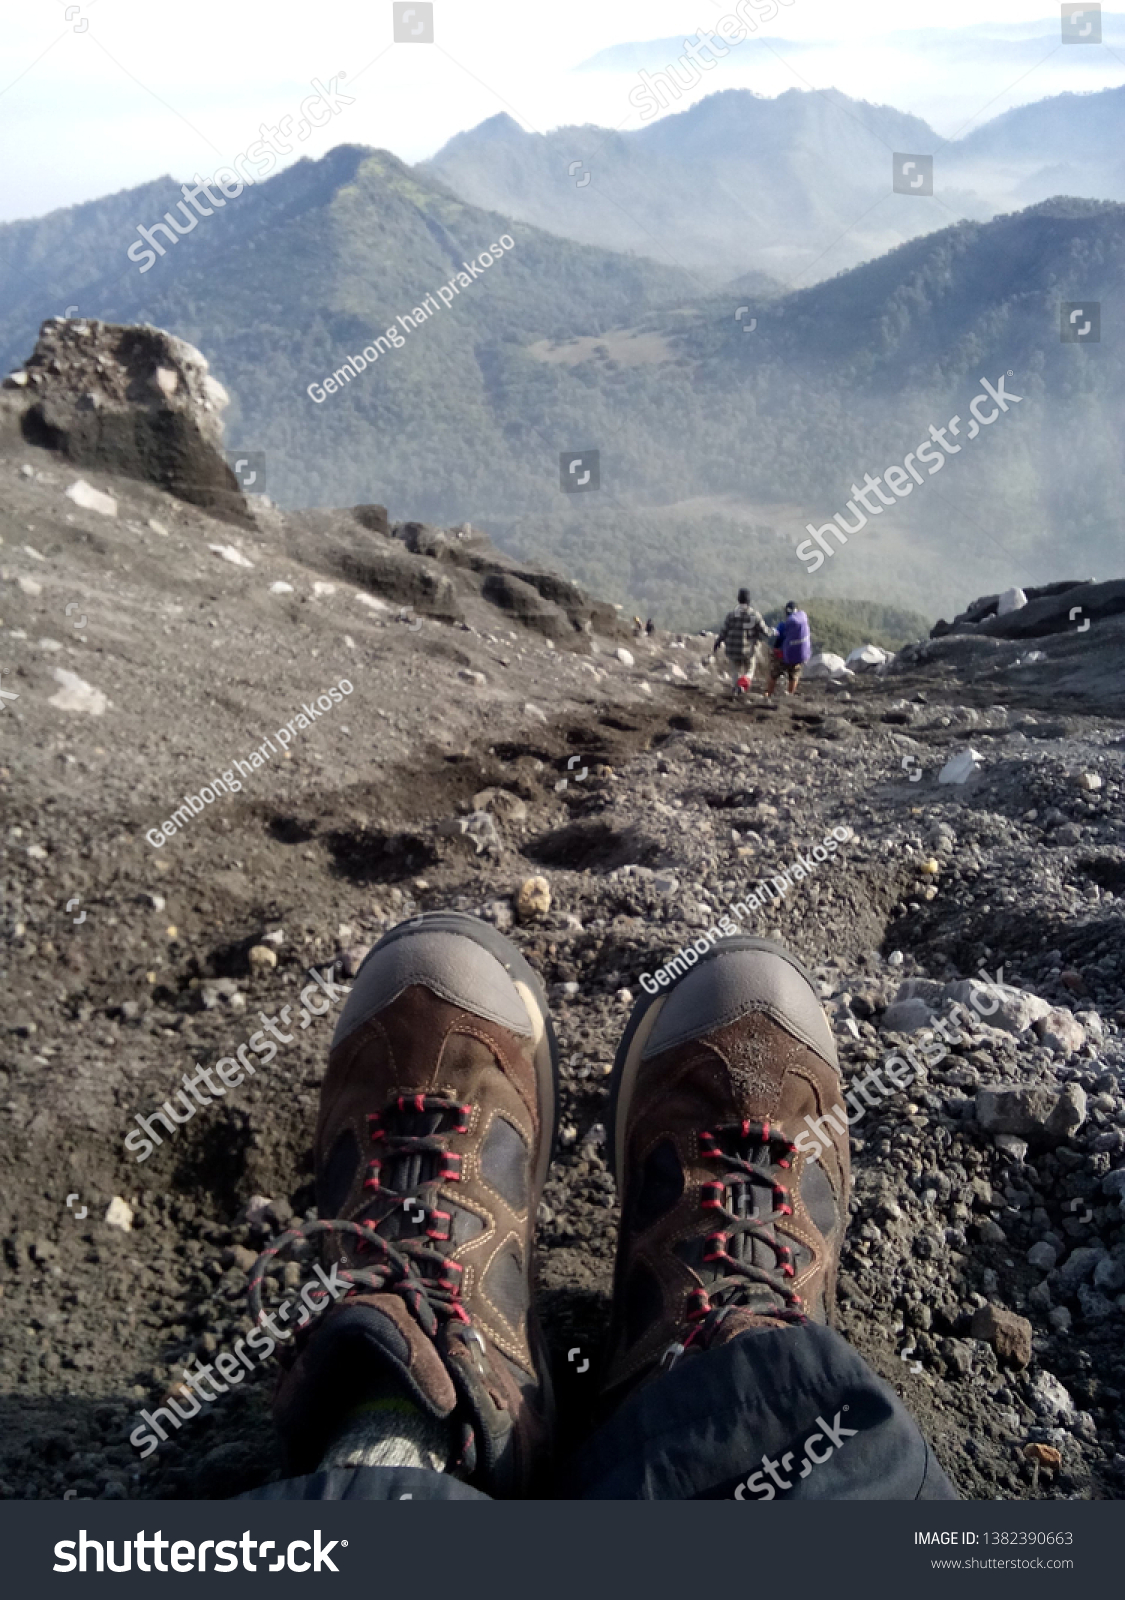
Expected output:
{"points": [[705, 1429]]}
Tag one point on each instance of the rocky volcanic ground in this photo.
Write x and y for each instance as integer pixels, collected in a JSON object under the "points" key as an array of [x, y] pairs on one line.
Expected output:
{"points": [[984, 1274]]}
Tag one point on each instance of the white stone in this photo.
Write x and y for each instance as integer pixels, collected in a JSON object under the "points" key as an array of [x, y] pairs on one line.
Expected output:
{"points": [[372, 603], [1050, 1399], [1008, 1142], [90, 499], [1010, 600], [624, 656], [166, 381], [49, 644], [158, 527], [119, 1214], [867, 658], [77, 695], [281, 588], [998, 1005], [216, 397], [960, 768], [1061, 1032], [827, 665], [229, 553], [256, 1208], [320, 589]]}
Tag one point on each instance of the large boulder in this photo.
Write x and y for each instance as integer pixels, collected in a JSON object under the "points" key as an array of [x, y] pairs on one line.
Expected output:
{"points": [[1048, 610], [526, 604], [134, 401], [963, 651], [372, 517]]}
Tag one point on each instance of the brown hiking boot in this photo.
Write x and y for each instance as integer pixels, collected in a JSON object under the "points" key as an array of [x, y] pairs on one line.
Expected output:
{"points": [[728, 1220], [437, 1116]]}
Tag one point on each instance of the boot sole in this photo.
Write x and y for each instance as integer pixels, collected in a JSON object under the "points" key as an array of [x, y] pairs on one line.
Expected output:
{"points": [[643, 1019], [532, 993]]}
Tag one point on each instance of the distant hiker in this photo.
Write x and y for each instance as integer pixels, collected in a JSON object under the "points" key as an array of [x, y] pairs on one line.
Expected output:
{"points": [[740, 633], [650, 627], [794, 649], [638, 627]]}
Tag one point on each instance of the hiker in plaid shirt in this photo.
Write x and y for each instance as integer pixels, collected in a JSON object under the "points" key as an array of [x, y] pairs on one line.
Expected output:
{"points": [[740, 633]]}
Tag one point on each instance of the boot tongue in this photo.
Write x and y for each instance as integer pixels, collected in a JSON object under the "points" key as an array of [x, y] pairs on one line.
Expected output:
{"points": [[367, 1348], [373, 1337], [401, 1176], [745, 1198], [744, 1319]]}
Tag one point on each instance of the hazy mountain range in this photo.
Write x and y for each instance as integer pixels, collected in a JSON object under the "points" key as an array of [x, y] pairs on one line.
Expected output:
{"points": [[799, 186], [725, 422], [997, 45]]}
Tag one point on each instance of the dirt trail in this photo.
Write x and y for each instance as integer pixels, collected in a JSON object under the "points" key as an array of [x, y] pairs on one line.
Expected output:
{"points": [[679, 800]]}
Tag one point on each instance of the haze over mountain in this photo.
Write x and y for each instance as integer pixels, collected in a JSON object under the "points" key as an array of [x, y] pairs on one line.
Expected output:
{"points": [[950, 75], [799, 186], [718, 441]]}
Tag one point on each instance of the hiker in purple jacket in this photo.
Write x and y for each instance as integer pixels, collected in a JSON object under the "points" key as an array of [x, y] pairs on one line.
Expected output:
{"points": [[794, 649]]}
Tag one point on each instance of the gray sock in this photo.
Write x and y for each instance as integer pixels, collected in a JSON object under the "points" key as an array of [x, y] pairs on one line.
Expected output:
{"points": [[390, 1433]]}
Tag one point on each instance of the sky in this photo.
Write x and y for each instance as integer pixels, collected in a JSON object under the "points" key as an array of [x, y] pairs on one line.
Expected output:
{"points": [[100, 97]]}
